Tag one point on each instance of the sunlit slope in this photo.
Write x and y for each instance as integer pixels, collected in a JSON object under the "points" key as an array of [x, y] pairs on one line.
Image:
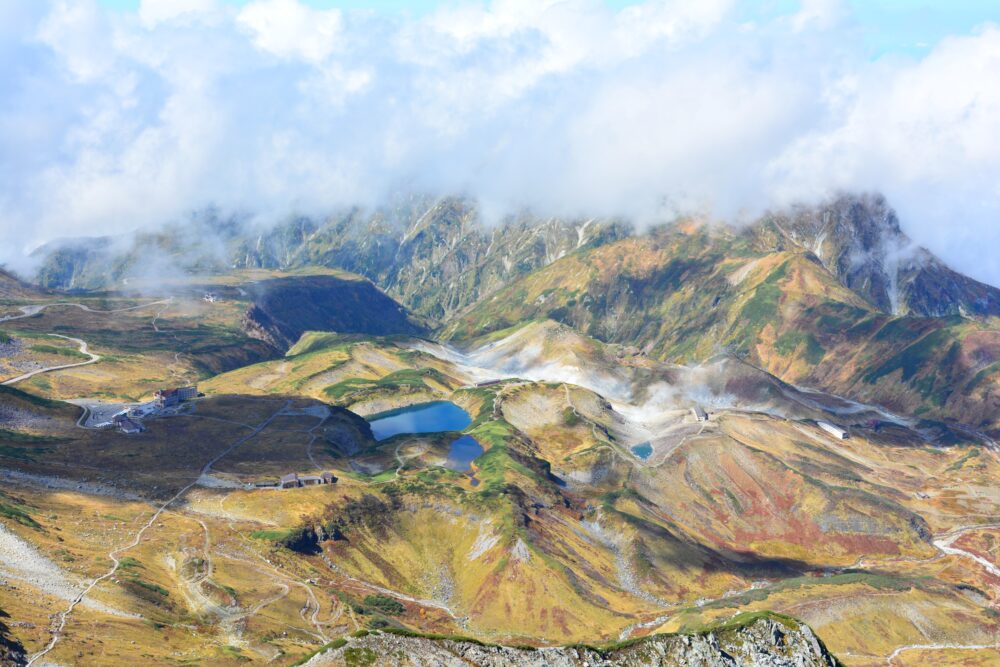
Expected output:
{"points": [[747, 511], [763, 488], [436, 256], [366, 375], [749, 495], [687, 294], [144, 344], [568, 534]]}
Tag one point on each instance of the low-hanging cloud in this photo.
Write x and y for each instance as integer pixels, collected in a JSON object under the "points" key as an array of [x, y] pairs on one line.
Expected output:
{"points": [[111, 121]]}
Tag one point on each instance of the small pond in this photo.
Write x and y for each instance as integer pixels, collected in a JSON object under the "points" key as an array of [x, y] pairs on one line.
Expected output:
{"points": [[643, 451], [423, 418], [462, 452]]}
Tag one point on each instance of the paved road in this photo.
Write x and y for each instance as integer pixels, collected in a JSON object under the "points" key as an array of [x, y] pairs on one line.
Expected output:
{"points": [[28, 311], [83, 348]]}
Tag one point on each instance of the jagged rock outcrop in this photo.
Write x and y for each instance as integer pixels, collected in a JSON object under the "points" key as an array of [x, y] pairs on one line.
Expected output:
{"points": [[12, 653], [858, 239], [436, 256], [764, 641]]}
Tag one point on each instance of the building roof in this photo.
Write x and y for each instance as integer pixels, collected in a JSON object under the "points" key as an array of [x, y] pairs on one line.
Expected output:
{"points": [[129, 426], [174, 390], [290, 477]]}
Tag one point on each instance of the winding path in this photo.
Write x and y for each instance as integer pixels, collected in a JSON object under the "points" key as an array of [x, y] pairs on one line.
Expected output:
{"points": [[396, 594], [116, 553], [94, 358], [944, 545], [31, 310], [34, 309], [939, 647]]}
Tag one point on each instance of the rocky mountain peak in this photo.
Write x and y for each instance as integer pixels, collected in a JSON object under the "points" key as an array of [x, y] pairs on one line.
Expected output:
{"points": [[858, 238]]}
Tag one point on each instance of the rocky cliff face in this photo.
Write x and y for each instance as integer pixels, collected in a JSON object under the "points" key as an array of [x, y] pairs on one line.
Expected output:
{"points": [[12, 653], [437, 257], [858, 239], [768, 641]]}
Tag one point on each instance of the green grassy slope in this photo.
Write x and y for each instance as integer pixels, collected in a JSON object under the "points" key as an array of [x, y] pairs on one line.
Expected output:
{"points": [[685, 295]]}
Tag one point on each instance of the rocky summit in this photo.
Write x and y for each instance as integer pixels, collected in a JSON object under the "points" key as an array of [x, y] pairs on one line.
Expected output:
{"points": [[766, 641]]}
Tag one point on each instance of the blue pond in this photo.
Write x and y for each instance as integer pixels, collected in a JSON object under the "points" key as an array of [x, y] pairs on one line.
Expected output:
{"points": [[643, 451], [424, 418], [463, 451]]}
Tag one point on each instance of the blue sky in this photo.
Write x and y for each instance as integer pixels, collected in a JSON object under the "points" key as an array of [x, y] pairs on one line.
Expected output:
{"points": [[889, 26]]}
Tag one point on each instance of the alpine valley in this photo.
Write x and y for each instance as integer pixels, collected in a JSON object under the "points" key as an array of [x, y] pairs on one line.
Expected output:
{"points": [[404, 436]]}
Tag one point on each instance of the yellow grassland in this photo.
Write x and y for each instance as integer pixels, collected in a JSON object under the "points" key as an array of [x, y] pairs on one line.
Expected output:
{"points": [[752, 502]]}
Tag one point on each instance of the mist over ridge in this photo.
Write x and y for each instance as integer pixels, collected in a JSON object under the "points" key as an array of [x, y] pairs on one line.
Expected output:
{"points": [[132, 120]]}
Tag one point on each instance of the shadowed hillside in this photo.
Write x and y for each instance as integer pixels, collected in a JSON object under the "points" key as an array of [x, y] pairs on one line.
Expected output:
{"points": [[12, 287], [285, 308]]}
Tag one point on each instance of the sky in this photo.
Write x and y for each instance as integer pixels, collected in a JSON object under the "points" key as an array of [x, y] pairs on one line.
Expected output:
{"points": [[125, 114]]}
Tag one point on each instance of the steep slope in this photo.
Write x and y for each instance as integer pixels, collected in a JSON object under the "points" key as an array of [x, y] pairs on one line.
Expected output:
{"points": [[746, 641], [687, 294], [22, 415], [12, 287], [285, 308], [369, 376], [79, 263], [436, 256], [12, 653], [859, 240]]}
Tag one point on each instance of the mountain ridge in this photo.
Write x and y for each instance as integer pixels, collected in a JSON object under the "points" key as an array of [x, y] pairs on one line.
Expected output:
{"points": [[439, 259], [858, 238]]}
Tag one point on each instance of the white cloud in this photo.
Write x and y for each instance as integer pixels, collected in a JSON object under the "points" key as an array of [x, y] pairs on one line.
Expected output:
{"points": [[154, 12], [822, 14], [78, 33], [927, 133], [112, 121], [289, 29]]}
